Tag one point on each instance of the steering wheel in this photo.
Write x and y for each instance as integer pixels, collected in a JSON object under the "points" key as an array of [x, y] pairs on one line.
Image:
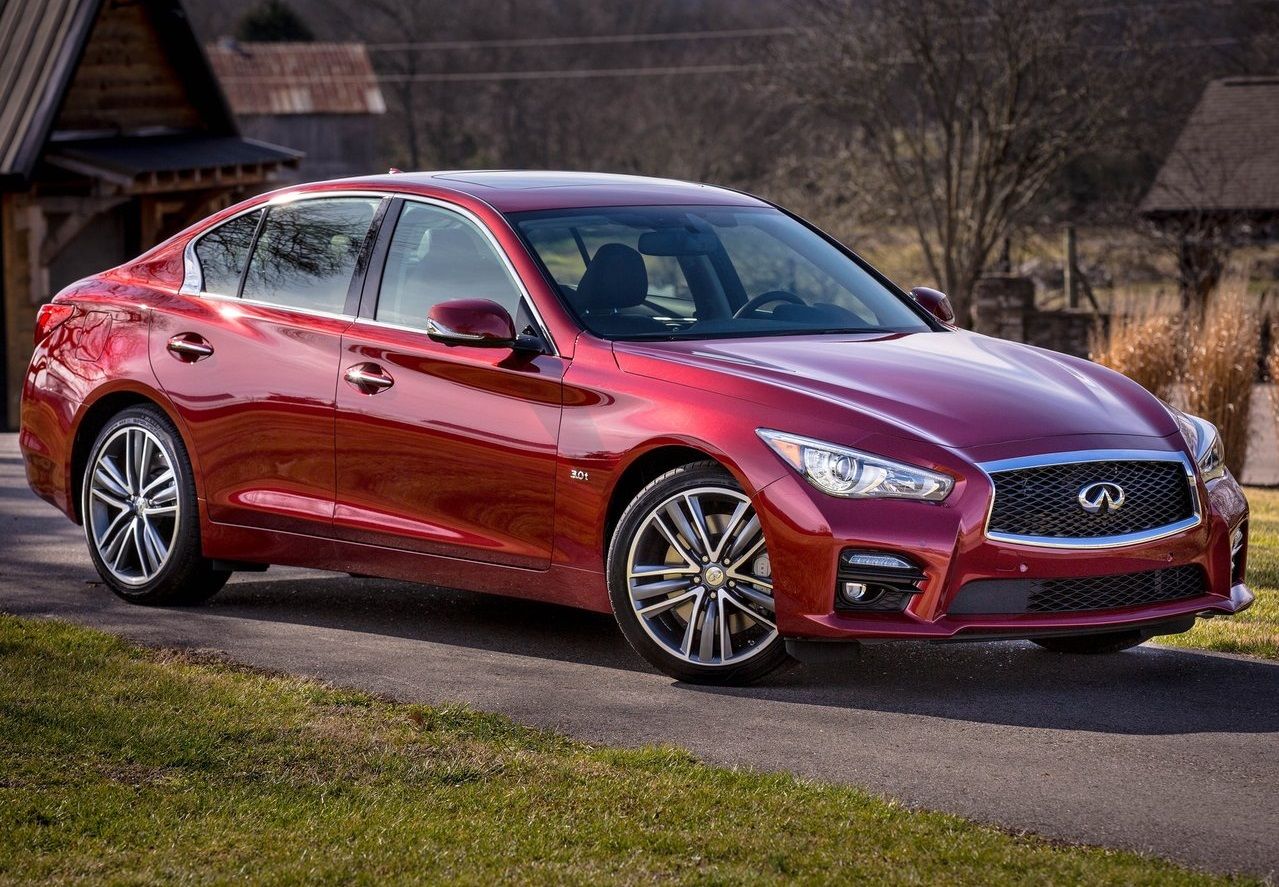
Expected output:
{"points": [[752, 305]]}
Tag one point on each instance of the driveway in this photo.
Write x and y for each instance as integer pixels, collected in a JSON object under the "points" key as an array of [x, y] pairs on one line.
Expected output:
{"points": [[1157, 750]]}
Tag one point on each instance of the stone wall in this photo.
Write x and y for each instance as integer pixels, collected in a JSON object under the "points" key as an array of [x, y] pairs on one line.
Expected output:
{"points": [[1004, 306]]}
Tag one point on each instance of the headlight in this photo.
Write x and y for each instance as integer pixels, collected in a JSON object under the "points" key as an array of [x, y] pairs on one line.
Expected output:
{"points": [[1204, 441], [852, 474]]}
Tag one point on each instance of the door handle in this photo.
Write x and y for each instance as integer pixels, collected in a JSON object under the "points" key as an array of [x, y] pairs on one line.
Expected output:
{"points": [[189, 347], [369, 378]]}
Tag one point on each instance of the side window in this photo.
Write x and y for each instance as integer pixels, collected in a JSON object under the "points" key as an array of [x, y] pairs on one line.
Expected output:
{"points": [[436, 255], [306, 253], [223, 252]]}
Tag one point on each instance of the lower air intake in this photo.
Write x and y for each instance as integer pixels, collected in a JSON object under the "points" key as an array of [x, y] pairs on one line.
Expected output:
{"points": [[1001, 596]]}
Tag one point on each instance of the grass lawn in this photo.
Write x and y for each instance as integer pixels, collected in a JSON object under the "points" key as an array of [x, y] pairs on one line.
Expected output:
{"points": [[125, 765], [1256, 630]]}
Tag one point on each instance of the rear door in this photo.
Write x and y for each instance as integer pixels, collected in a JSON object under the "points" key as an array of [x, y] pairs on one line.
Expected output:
{"points": [[248, 356], [453, 452]]}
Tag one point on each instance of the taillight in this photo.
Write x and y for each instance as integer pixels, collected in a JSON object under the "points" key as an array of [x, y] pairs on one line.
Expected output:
{"points": [[50, 317]]}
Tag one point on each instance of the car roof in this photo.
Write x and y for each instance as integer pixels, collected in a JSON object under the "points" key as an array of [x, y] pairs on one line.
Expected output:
{"points": [[522, 190]]}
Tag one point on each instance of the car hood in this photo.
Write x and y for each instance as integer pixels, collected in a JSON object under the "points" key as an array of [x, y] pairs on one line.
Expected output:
{"points": [[954, 388]]}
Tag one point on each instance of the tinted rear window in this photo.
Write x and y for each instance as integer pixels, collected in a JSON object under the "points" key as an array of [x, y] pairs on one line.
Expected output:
{"points": [[306, 253], [223, 252]]}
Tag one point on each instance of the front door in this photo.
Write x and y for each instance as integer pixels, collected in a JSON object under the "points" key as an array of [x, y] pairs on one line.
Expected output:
{"points": [[248, 360], [445, 450]]}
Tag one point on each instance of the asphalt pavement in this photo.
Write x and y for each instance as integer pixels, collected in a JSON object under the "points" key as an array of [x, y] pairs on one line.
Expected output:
{"points": [[1163, 751]]}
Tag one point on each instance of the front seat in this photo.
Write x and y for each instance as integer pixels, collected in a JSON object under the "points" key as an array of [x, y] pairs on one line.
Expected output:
{"points": [[615, 280]]}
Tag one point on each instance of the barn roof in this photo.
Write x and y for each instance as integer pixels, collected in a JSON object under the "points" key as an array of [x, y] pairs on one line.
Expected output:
{"points": [[296, 78], [1227, 156]]}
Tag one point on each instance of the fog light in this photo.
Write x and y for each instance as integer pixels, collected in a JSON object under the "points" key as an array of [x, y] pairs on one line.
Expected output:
{"points": [[877, 559], [878, 581], [857, 592]]}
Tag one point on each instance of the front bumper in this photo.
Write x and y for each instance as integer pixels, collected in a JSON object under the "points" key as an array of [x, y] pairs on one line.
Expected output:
{"points": [[808, 530]]}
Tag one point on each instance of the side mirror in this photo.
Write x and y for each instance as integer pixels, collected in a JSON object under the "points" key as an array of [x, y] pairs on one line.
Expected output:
{"points": [[934, 302], [480, 323]]}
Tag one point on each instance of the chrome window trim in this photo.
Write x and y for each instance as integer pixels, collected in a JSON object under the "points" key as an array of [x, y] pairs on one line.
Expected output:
{"points": [[1082, 456], [191, 264], [192, 273], [258, 303]]}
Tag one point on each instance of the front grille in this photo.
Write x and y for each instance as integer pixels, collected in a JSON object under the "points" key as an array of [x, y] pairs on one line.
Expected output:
{"points": [[999, 596], [1043, 501]]}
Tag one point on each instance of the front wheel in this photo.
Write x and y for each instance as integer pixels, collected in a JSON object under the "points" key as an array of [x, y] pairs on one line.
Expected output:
{"points": [[690, 579], [140, 513]]}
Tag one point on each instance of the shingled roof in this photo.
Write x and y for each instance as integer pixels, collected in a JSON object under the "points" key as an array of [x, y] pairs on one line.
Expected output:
{"points": [[1227, 156], [296, 78]]}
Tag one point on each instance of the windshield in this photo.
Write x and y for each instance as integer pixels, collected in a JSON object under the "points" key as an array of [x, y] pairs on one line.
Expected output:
{"points": [[679, 272]]}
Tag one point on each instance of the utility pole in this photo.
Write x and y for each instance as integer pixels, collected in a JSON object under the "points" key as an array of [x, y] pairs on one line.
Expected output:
{"points": [[1072, 285]]}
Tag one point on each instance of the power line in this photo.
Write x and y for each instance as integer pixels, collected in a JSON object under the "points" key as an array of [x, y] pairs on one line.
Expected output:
{"points": [[594, 73], [489, 76], [587, 40], [746, 33]]}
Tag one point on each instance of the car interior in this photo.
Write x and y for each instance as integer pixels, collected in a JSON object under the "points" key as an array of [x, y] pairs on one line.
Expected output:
{"points": [[649, 274]]}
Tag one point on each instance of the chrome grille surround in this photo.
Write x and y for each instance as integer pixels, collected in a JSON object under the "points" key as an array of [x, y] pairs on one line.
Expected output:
{"points": [[1080, 457]]}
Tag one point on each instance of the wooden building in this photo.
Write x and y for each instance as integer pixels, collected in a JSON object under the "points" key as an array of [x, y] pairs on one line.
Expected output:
{"points": [[114, 134], [1219, 186], [1225, 162], [322, 98]]}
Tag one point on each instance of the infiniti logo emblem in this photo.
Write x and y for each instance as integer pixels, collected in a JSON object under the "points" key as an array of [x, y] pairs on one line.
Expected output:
{"points": [[1101, 497]]}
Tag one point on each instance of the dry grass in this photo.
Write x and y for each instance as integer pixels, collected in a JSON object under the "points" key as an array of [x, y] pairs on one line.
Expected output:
{"points": [[1207, 367], [1221, 366], [1255, 631], [1144, 346], [1272, 370]]}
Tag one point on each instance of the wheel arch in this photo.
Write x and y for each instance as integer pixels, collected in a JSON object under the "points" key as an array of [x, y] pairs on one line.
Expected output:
{"points": [[96, 412], [650, 463]]}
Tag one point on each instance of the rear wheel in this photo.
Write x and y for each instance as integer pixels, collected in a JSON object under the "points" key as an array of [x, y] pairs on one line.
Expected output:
{"points": [[690, 579], [140, 513], [1093, 644]]}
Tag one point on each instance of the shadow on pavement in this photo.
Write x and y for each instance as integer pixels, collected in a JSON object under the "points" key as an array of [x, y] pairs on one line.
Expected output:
{"points": [[1149, 691]]}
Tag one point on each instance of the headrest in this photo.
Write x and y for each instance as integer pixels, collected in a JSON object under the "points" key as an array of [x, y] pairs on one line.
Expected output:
{"points": [[616, 278]]}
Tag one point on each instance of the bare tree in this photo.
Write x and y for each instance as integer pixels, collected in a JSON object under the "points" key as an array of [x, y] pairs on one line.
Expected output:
{"points": [[965, 111]]}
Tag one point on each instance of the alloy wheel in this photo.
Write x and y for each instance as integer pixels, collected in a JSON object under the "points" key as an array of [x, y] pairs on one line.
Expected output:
{"points": [[700, 580], [132, 505]]}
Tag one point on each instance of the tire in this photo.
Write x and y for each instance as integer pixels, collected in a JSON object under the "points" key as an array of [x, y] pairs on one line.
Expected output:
{"points": [[1092, 644], [687, 619], [141, 517]]}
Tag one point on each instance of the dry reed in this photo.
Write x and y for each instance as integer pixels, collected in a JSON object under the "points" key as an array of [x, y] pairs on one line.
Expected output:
{"points": [[1272, 370], [1221, 367], [1144, 346]]}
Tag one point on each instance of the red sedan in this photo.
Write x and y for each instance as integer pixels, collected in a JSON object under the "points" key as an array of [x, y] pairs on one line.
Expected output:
{"points": [[672, 401]]}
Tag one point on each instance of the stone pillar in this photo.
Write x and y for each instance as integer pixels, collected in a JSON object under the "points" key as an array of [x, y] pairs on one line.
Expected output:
{"points": [[1002, 305]]}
